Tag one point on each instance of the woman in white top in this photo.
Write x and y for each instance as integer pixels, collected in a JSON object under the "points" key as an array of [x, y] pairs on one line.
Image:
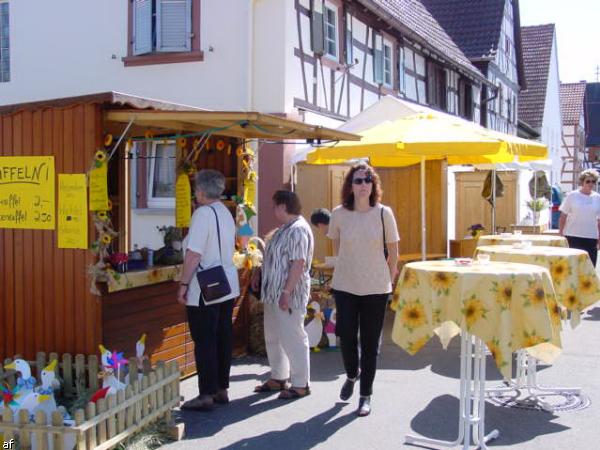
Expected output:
{"points": [[207, 245], [362, 279], [580, 215]]}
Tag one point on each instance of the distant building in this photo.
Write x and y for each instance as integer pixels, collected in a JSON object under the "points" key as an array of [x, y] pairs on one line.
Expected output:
{"points": [[573, 141], [489, 34], [592, 123], [539, 104]]}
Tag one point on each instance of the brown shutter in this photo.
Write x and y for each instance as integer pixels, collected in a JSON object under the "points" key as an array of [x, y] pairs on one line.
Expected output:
{"points": [[142, 175]]}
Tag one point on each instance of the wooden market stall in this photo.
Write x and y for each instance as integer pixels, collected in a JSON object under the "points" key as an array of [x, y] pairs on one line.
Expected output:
{"points": [[46, 300]]}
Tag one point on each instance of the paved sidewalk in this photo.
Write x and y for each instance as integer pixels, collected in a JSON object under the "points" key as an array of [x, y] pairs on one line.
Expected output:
{"points": [[417, 394]]}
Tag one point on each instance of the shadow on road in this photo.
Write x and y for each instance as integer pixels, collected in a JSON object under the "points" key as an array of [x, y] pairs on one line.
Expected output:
{"points": [[593, 314], [439, 420]]}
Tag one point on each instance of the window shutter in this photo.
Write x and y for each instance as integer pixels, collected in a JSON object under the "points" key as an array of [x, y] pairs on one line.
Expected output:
{"points": [[349, 44], [378, 59], [317, 29], [142, 27], [174, 25]]}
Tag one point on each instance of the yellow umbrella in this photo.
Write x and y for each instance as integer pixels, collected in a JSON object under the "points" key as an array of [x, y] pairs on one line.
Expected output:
{"points": [[430, 136]]}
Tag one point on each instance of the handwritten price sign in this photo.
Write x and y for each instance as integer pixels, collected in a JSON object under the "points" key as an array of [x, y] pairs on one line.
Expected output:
{"points": [[27, 185]]}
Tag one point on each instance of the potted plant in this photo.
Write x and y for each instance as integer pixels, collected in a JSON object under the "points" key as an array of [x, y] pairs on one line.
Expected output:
{"points": [[536, 205], [476, 230]]}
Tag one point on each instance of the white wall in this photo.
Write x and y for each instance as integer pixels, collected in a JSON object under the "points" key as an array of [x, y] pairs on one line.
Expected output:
{"points": [[551, 131], [63, 48], [144, 223]]}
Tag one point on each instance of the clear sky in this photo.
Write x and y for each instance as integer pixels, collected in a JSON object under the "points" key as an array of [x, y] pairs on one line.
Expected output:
{"points": [[577, 33]]}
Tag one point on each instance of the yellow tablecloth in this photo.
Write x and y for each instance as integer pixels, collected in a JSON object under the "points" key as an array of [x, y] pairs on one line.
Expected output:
{"points": [[509, 306], [575, 281], [536, 239]]}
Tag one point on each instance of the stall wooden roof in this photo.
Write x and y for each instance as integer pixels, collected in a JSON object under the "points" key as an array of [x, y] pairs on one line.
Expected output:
{"points": [[225, 123]]}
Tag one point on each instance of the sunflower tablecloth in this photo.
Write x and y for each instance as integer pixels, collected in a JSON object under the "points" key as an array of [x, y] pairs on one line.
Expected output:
{"points": [[575, 281], [535, 239], [509, 306]]}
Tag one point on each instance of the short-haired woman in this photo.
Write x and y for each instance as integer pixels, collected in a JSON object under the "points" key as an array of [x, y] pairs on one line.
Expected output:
{"points": [[285, 290], [210, 242], [580, 215], [362, 278]]}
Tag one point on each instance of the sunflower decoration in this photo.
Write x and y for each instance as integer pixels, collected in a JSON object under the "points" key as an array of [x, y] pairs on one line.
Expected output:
{"points": [[570, 300], [504, 292], [106, 239], [494, 348], [473, 310], [182, 143], [414, 347], [532, 339], [100, 157], [586, 285], [149, 134], [412, 315], [102, 215], [556, 312], [535, 295], [110, 205], [108, 139], [410, 280], [560, 270], [220, 146], [442, 282]]}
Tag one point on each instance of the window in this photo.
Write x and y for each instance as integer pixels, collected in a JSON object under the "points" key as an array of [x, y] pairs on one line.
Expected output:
{"points": [[414, 76], [4, 43], [331, 30], [401, 66], [388, 74], [465, 99], [163, 31], [161, 176]]}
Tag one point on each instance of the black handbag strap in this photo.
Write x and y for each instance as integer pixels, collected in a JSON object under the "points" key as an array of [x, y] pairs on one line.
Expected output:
{"points": [[218, 236], [385, 249]]}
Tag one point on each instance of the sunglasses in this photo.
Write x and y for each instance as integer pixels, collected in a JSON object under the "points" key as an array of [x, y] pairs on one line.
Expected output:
{"points": [[589, 181], [359, 181]]}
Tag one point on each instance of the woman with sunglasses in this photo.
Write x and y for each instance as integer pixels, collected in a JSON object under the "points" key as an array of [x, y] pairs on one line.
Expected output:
{"points": [[361, 228], [580, 215]]}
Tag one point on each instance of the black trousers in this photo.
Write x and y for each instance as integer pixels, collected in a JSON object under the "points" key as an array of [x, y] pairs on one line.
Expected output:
{"points": [[210, 327], [364, 312], [589, 245]]}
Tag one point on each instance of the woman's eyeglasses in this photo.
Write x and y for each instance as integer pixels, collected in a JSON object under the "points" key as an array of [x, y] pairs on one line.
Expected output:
{"points": [[359, 181], [589, 181]]}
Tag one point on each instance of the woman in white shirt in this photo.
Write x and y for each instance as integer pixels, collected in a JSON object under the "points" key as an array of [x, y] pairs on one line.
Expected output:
{"points": [[209, 243], [580, 215], [362, 279]]}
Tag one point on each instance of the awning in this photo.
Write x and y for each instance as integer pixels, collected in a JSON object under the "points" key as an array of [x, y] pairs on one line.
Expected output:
{"points": [[249, 125]]}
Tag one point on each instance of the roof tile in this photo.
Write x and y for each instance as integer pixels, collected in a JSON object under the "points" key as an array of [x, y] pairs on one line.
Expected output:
{"points": [[571, 102]]}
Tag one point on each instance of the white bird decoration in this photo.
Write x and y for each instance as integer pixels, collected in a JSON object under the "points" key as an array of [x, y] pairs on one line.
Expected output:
{"points": [[109, 380], [314, 328], [105, 354], [140, 347], [31, 401], [49, 380], [25, 382], [330, 328]]}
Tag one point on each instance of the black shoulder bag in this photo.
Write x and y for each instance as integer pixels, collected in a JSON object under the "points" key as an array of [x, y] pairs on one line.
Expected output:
{"points": [[385, 249], [213, 282]]}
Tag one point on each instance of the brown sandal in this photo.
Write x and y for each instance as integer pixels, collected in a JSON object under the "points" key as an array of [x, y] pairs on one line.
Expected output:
{"points": [[293, 393], [272, 385]]}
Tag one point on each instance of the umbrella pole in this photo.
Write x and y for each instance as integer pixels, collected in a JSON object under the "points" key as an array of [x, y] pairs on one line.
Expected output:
{"points": [[534, 196], [423, 216], [494, 201]]}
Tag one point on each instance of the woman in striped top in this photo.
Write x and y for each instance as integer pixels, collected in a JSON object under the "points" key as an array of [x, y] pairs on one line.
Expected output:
{"points": [[285, 290]]}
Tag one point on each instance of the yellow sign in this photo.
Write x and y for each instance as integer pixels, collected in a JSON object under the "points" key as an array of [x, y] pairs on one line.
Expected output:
{"points": [[249, 191], [183, 201], [99, 188], [72, 211], [27, 192]]}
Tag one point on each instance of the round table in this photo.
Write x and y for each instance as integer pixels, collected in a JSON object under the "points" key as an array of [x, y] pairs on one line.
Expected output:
{"points": [[506, 306], [577, 286], [535, 239]]}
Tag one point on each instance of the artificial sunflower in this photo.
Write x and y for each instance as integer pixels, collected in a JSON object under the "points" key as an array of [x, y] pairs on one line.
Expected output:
{"points": [[414, 347], [149, 134], [473, 310], [442, 280], [108, 139], [570, 300], [220, 145], [504, 293], [181, 142], [240, 151], [413, 315], [102, 215], [530, 340], [106, 239], [559, 270], [252, 246], [536, 295], [100, 156], [410, 279], [586, 285]]}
